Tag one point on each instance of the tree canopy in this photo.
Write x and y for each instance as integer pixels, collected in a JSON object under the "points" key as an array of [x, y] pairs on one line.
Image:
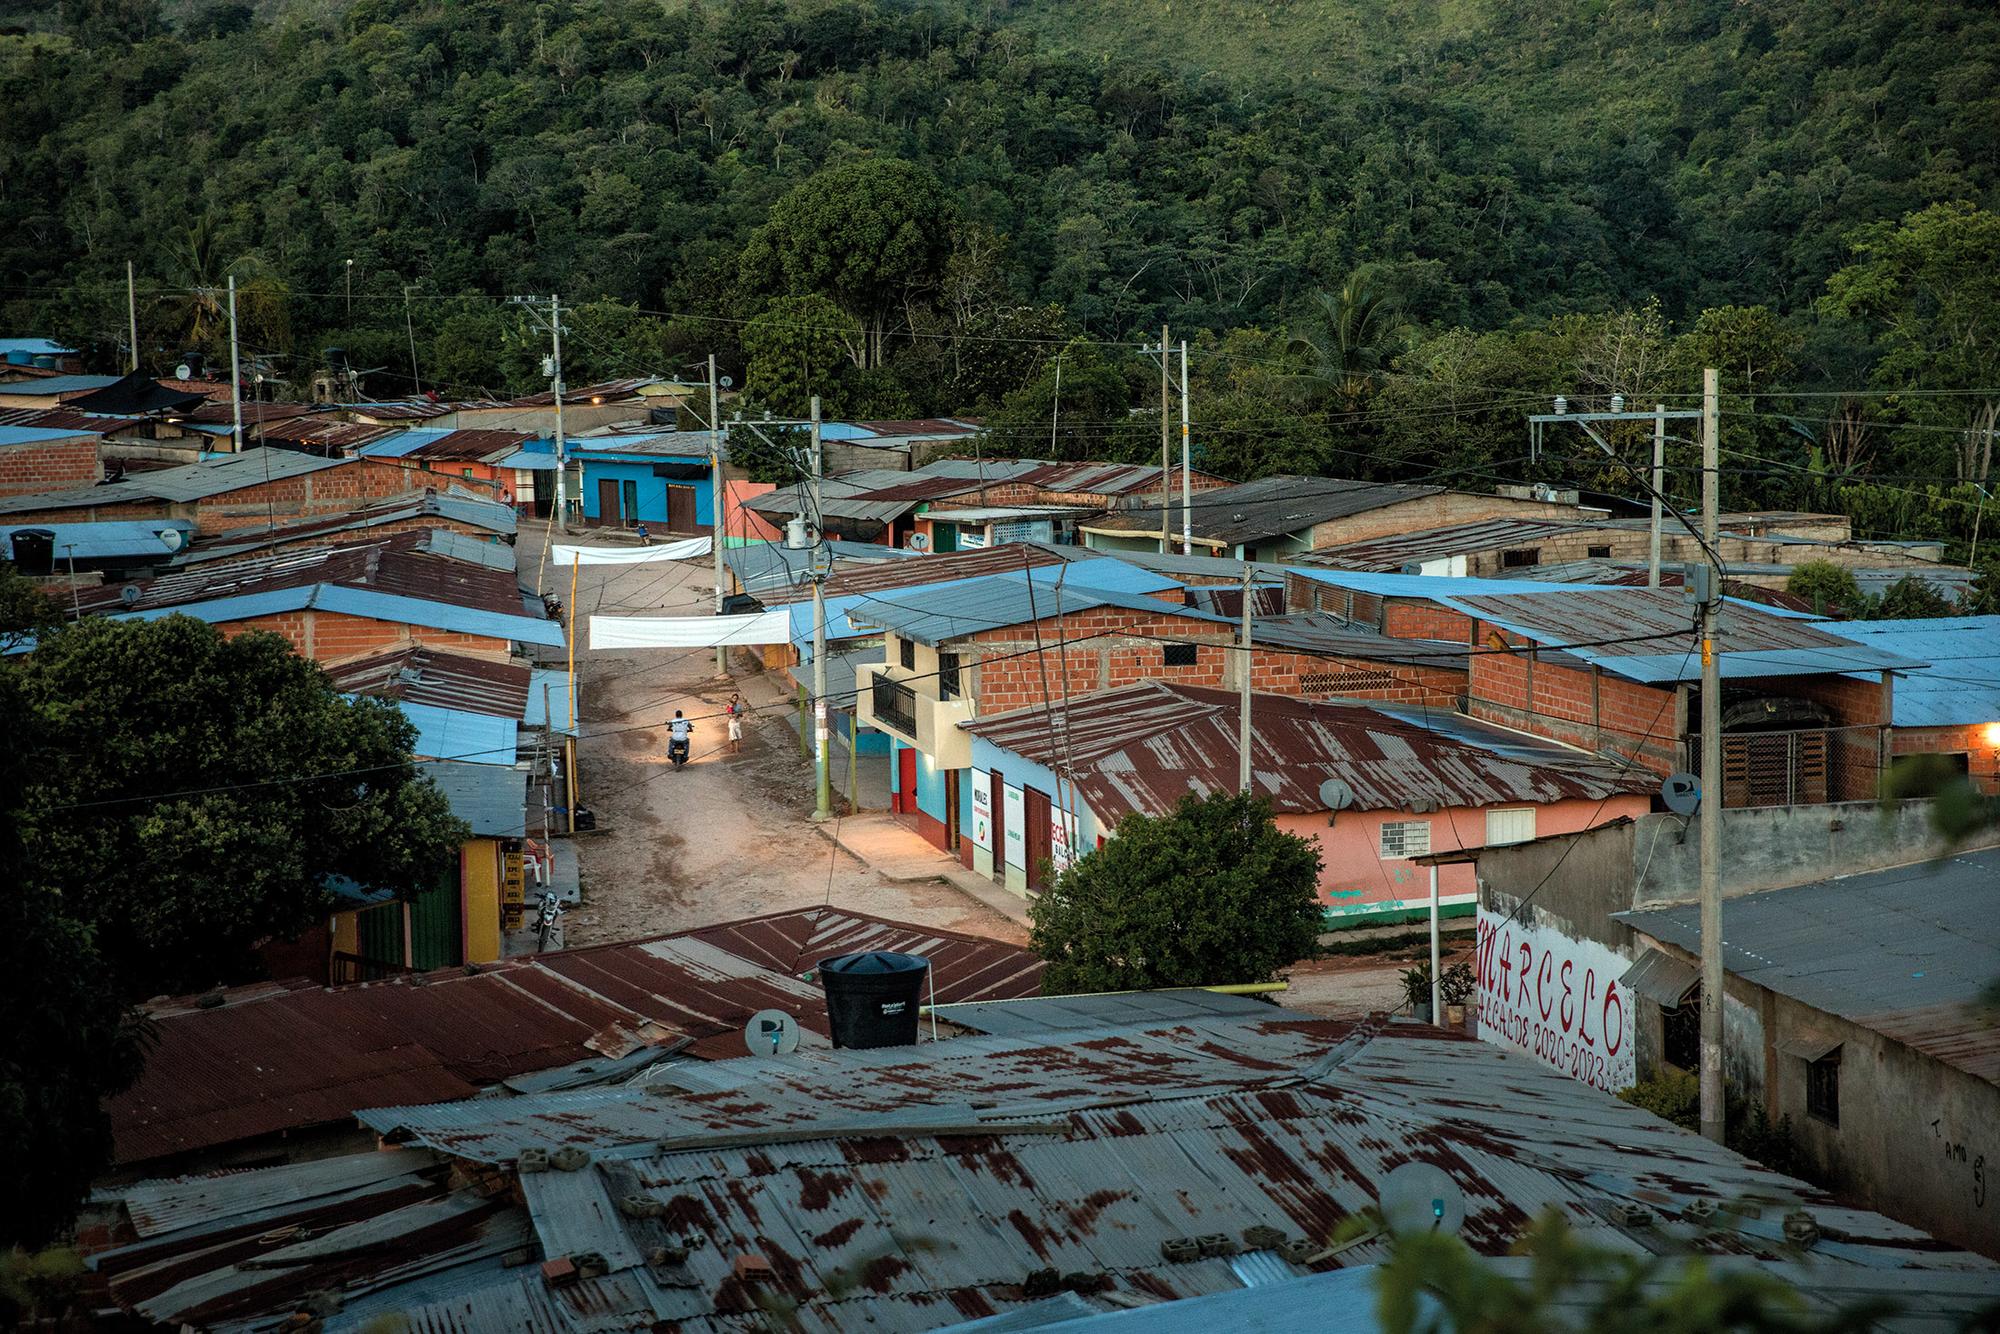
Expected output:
{"points": [[1211, 894]]}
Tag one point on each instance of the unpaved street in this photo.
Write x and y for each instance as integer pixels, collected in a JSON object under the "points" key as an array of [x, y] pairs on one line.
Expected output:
{"points": [[730, 835]]}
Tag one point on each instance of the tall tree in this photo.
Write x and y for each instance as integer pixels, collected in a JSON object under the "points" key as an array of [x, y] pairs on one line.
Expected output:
{"points": [[1351, 335], [873, 235], [1212, 893]]}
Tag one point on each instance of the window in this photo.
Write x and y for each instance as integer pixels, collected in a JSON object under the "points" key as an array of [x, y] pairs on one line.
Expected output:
{"points": [[1680, 1034], [907, 652], [1823, 1088], [1406, 838], [947, 676], [1345, 683], [1178, 655], [1599, 553], [1511, 826], [1520, 558]]}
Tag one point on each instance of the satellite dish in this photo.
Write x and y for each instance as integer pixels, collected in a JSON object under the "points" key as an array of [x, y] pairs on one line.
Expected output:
{"points": [[183, 372], [1419, 1197], [920, 542], [1335, 795], [130, 594], [771, 1033], [727, 382], [173, 539], [1682, 793]]}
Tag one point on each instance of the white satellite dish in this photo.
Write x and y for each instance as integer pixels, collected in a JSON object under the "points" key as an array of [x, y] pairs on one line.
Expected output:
{"points": [[771, 1033], [727, 382], [183, 372], [1420, 1197], [919, 542], [1682, 793], [1335, 795], [173, 539]]}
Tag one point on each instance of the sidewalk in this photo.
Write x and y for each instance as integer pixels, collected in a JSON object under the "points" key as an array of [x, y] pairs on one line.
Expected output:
{"points": [[765, 692], [896, 852]]}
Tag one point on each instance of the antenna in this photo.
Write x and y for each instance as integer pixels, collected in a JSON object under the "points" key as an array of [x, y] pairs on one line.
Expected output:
{"points": [[771, 1033], [1682, 793], [1420, 1197], [1336, 795]]}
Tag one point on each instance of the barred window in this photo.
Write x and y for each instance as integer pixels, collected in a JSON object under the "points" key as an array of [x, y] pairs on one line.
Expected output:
{"points": [[1344, 683], [1178, 655], [1823, 1088], [1406, 838]]}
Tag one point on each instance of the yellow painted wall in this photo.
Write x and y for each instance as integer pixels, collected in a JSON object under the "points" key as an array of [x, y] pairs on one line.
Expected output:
{"points": [[479, 890], [346, 933]]}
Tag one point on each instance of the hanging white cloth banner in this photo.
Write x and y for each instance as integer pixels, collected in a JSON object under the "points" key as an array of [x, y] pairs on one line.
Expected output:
{"points": [[687, 549], [764, 627]]}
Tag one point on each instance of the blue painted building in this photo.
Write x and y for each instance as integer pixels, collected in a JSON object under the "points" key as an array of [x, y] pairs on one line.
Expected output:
{"points": [[661, 479]]}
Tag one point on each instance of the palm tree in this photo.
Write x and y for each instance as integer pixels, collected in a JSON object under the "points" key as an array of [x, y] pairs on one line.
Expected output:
{"points": [[1352, 335]]}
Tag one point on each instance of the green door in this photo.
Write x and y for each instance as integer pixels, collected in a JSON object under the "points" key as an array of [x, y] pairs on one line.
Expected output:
{"points": [[944, 536], [435, 926], [379, 939]]}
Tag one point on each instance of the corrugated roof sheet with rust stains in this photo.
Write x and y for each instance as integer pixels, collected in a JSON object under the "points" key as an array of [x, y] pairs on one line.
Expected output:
{"points": [[277, 1059], [1144, 747], [420, 675], [1267, 507], [1905, 952]]}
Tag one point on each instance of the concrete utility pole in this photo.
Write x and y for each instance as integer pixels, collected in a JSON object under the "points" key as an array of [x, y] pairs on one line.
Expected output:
{"points": [[235, 374], [823, 800], [132, 311], [1166, 374], [1659, 486], [1187, 492], [716, 527], [1711, 773], [556, 382], [1243, 696]]}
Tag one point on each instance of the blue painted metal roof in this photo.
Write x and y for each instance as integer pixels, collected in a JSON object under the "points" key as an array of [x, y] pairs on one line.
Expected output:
{"points": [[362, 602], [107, 540], [533, 460], [34, 347], [546, 684], [487, 797], [57, 384], [402, 443], [33, 435], [453, 734], [965, 607], [1426, 585], [1961, 685]]}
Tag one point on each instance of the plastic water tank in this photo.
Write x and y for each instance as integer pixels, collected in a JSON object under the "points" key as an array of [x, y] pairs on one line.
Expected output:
{"points": [[872, 998], [34, 550]]}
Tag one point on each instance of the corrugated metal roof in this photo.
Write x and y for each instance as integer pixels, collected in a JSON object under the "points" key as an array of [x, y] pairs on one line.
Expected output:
{"points": [[39, 435], [1322, 632], [276, 1059], [1905, 952], [57, 384], [955, 610], [548, 702], [475, 512], [1144, 747], [1055, 1014], [67, 420], [1662, 978], [1960, 685], [110, 540], [874, 575], [420, 675], [454, 734], [401, 443], [1629, 632], [769, 570], [186, 484], [34, 347], [490, 799], [1268, 507], [1394, 552]]}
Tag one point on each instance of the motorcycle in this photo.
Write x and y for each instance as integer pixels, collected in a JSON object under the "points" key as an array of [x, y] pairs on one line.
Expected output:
{"points": [[677, 748]]}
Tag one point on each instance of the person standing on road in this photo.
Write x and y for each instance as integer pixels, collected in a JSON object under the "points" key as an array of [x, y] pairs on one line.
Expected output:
{"points": [[645, 538], [736, 712]]}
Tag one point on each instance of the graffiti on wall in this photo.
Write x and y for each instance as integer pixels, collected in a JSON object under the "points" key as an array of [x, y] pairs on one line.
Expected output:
{"points": [[1557, 999]]}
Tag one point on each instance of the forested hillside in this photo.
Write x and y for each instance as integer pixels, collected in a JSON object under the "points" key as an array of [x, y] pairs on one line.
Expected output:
{"points": [[1462, 206]]}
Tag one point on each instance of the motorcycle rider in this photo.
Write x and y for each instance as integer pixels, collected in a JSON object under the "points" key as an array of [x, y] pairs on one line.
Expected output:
{"points": [[678, 732]]}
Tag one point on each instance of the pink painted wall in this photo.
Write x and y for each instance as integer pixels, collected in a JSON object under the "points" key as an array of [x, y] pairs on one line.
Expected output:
{"points": [[740, 523], [1353, 872]]}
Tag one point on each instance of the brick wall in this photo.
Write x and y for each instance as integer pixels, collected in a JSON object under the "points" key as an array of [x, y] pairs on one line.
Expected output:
{"points": [[1440, 511], [49, 465], [326, 636], [1403, 618], [1577, 706], [1314, 677], [1852, 703], [1978, 742], [327, 491], [1086, 651]]}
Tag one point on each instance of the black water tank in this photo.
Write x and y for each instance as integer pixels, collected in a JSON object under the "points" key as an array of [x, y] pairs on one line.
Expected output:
{"points": [[34, 550], [872, 999]]}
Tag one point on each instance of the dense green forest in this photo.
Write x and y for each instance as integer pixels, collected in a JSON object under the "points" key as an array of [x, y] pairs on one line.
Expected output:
{"points": [[1388, 229]]}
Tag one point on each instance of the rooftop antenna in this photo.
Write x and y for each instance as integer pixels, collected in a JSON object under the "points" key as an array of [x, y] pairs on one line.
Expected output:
{"points": [[1420, 1197]]}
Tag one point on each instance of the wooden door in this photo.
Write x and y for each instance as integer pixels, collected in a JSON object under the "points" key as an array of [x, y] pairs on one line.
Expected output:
{"points": [[951, 809], [998, 805], [607, 502], [906, 780], [1037, 838], [680, 509]]}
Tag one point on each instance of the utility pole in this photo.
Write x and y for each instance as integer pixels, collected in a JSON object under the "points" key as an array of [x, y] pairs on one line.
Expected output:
{"points": [[1243, 696], [1659, 486], [1166, 375], [823, 800], [556, 381], [1711, 772], [410, 328], [132, 312], [235, 374], [350, 287], [1187, 491], [716, 527]]}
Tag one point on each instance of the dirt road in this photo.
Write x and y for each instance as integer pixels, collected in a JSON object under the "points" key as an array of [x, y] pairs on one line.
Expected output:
{"points": [[730, 835]]}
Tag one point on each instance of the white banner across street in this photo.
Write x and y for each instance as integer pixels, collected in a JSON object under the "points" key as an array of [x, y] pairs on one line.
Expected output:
{"points": [[764, 627], [687, 549]]}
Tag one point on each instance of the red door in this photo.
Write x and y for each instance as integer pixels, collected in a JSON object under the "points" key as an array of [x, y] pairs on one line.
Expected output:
{"points": [[906, 780], [1038, 837], [998, 810]]}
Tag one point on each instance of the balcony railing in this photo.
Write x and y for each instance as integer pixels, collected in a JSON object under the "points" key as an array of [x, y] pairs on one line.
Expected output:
{"points": [[1796, 768], [895, 705]]}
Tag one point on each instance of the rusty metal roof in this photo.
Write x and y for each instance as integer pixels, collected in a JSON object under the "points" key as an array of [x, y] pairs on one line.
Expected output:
{"points": [[420, 675], [65, 419], [882, 576], [453, 505], [1268, 507], [1402, 549], [1144, 747], [1905, 952], [285, 1058], [1631, 632], [471, 445]]}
